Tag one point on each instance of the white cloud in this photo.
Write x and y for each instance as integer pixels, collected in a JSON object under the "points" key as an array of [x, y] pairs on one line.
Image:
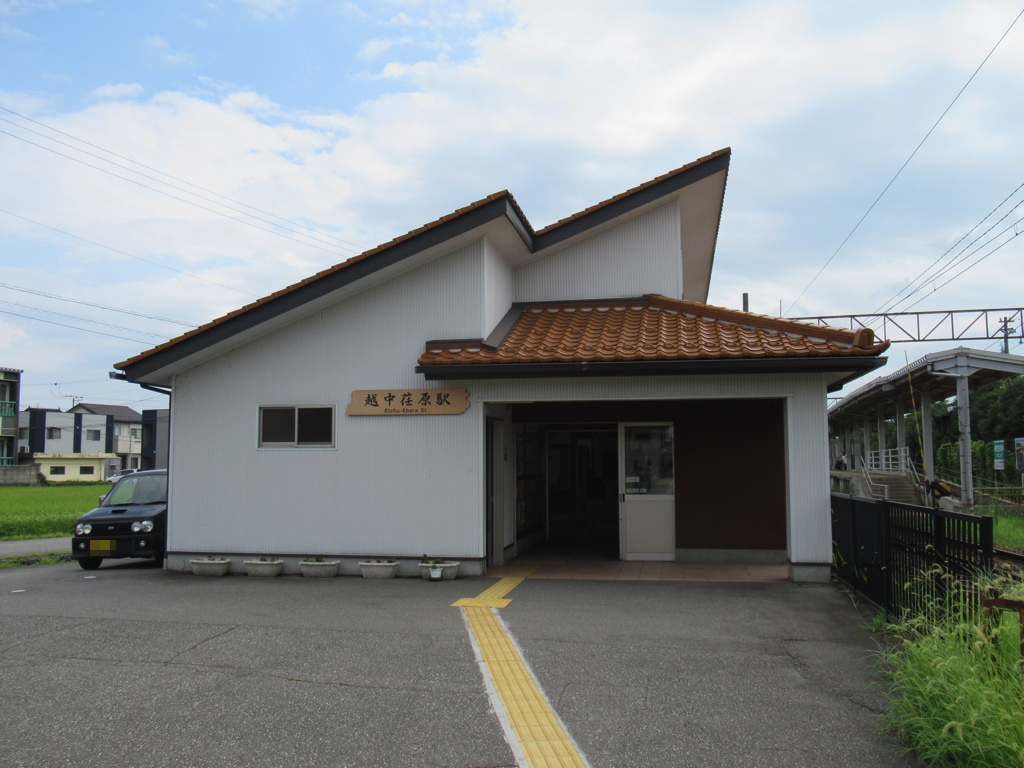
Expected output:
{"points": [[372, 49], [570, 104], [117, 91], [267, 9], [162, 49]]}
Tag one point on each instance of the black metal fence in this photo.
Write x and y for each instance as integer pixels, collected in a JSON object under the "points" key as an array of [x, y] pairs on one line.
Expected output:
{"points": [[878, 547]]}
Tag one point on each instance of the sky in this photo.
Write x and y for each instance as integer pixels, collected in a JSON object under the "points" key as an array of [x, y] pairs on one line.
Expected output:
{"points": [[162, 164]]}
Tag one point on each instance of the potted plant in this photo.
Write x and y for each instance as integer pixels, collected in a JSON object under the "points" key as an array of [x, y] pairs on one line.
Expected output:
{"points": [[379, 569], [434, 569], [210, 565], [319, 567], [264, 566]]}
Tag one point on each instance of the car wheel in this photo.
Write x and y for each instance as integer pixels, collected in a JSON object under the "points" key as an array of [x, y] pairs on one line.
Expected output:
{"points": [[90, 563]]}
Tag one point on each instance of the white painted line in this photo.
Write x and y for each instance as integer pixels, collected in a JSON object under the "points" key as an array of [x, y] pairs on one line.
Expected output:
{"points": [[492, 693], [540, 690]]}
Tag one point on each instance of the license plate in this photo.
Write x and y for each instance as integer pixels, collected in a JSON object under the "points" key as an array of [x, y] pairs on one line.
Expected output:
{"points": [[101, 547]]}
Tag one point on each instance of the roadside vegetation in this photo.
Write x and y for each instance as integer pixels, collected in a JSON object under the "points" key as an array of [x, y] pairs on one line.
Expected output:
{"points": [[957, 678], [1008, 531], [44, 511]]}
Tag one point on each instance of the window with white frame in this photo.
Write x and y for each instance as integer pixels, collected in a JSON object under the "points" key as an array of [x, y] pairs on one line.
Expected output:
{"points": [[297, 426]]}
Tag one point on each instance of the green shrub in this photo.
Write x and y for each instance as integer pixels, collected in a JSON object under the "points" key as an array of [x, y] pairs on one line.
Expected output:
{"points": [[957, 680]]}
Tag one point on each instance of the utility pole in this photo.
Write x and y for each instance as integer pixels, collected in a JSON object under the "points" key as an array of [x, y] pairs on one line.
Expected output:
{"points": [[1007, 329]]}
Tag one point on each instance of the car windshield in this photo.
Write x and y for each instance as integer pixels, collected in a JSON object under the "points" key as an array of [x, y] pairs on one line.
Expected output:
{"points": [[137, 489]]}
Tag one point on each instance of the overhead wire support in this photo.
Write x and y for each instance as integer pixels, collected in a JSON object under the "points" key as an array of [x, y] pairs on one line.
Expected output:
{"points": [[932, 325]]}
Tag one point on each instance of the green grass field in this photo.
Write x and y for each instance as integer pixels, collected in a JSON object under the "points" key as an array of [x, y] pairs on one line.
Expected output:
{"points": [[37, 512], [1008, 531]]}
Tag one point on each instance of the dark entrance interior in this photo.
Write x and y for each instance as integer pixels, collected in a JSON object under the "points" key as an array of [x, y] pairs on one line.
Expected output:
{"points": [[730, 472], [567, 488], [582, 489]]}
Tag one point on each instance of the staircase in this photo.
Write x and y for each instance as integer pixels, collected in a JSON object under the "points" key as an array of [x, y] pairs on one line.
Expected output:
{"points": [[902, 490]]}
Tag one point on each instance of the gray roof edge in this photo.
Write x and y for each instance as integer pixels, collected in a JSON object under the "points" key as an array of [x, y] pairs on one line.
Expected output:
{"points": [[925, 363], [442, 230]]}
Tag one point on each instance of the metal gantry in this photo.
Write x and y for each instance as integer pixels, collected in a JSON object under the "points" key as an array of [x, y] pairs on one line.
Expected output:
{"points": [[934, 325]]}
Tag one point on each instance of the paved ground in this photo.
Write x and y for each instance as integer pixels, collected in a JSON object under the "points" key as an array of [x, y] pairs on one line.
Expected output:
{"points": [[35, 547], [132, 665]]}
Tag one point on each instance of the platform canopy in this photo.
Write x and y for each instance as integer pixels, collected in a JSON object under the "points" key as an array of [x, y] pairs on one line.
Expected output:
{"points": [[934, 377]]}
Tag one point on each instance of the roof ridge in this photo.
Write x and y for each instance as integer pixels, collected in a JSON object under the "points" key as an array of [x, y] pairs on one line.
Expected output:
{"points": [[862, 338], [633, 190], [526, 230]]}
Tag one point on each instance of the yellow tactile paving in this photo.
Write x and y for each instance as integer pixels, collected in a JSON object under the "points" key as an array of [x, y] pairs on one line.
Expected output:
{"points": [[541, 737], [493, 597]]}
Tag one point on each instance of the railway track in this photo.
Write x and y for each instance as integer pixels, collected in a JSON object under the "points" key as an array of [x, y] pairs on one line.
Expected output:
{"points": [[1009, 556]]}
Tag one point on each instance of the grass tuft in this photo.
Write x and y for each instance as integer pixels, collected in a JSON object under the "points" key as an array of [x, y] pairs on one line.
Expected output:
{"points": [[957, 679]]}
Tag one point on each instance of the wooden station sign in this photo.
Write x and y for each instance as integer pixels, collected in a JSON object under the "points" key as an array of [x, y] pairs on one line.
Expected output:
{"points": [[408, 402]]}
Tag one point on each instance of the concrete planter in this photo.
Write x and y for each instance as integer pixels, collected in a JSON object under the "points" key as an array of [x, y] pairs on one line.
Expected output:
{"points": [[449, 570], [324, 569], [263, 567], [372, 570], [210, 567]]}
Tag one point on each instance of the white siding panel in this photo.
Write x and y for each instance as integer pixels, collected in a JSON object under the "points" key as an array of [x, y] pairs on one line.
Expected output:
{"points": [[393, 486], [498, 288], [640, 256], [633, 388], [807, 464]]}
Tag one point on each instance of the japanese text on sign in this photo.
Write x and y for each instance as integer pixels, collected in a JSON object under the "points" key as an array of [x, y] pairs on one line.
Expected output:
{"points": [[408, 402]]}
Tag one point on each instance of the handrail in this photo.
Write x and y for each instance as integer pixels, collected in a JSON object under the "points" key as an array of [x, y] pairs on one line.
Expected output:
{"points": [[872, 486], [890, 460]]}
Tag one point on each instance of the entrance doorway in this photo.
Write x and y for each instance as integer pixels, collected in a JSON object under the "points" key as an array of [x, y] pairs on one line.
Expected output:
{"points": [[647, 504], [582, 489]]}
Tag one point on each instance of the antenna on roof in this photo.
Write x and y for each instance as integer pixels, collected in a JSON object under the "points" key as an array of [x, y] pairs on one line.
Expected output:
{"points": [[746, 302]]}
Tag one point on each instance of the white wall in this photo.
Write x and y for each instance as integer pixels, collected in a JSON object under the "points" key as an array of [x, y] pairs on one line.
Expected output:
{"points": [[637, 257], [498, 288], [412, 485], [393, 486]]}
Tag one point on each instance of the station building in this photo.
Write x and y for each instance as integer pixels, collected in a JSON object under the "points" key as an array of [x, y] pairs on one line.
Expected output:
{"points": [[476, 389]]}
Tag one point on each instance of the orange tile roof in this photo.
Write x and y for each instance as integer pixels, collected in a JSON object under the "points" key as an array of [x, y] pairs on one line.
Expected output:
{"points": [[651, 328]]}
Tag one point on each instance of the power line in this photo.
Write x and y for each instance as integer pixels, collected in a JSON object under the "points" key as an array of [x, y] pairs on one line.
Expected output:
{"points": [[892, 302], [905, 164], [173, 197], [97, 306], [339, 240], [158, 181], [968, 267], [125, 253], [73, 327], [82, 319], [65, 383], [961, 258]]}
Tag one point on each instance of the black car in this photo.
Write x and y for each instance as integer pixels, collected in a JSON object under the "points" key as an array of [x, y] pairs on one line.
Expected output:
{"points": [[131, 521]]}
